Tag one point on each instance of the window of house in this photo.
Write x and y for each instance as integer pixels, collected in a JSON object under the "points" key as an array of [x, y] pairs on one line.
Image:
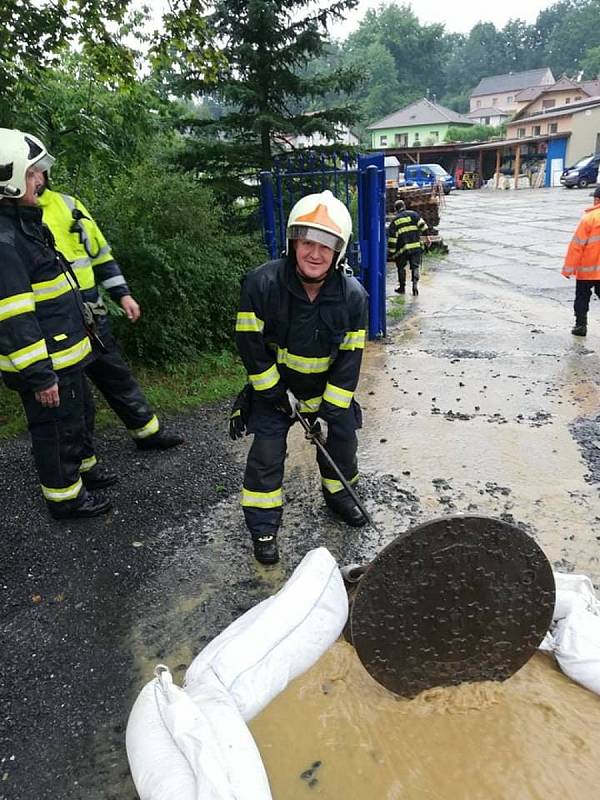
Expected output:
{"points": [[434, 134], [567, 100], [553, 127], [478, 104], [548, 103], [510, 99], [383, 141], [536, 130], [401, 139], [494, 101], [486, 120], [520, 133], [416, 141]]}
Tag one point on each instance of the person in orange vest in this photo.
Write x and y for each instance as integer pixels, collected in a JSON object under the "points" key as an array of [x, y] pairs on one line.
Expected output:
{"points": [[583, 261]]}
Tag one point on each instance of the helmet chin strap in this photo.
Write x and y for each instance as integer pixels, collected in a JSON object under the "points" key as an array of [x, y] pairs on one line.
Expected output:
{"points": [[306, 279], [321, 278]]}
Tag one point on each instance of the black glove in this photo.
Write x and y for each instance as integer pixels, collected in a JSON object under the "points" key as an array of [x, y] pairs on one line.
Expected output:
{"points": [[240, 411], [315, 432]]}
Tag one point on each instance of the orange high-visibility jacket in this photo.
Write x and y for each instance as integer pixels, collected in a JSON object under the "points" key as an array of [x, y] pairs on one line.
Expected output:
{"points": [[583, 256]]}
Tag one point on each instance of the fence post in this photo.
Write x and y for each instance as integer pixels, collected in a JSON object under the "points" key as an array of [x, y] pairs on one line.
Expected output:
{"points": [[267, 201], [373, 275]]}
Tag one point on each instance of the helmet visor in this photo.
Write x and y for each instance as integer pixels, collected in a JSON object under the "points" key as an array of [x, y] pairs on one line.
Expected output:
{"points": [[44, 164], [316, 235]]}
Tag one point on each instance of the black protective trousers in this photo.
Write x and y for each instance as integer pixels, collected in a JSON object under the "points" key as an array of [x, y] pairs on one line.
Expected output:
{"points": [[57, 436], [262, 498], [112, 376], [583, 295], [414, 259]]}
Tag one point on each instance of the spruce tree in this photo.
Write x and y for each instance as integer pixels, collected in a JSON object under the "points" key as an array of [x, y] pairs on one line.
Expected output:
{"points": [[265, 86]]}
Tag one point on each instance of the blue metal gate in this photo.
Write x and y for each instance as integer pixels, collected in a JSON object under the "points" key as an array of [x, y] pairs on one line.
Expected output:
{"points": [[360, 184]]}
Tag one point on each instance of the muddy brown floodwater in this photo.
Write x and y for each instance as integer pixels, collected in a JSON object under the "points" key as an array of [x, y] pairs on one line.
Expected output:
{"points": [[335, 733], [479, 402]]}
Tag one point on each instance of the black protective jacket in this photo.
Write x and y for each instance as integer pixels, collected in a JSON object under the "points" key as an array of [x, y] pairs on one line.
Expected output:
{"points": [[314, 349], [404, 233], [42, 329]]}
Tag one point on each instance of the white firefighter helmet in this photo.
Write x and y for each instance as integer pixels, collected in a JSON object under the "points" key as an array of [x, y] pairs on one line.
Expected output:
{"points": [[321, 218], [19, 152]]}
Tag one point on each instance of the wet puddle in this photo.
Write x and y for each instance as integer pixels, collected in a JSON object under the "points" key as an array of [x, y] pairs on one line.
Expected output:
{"points": [[335, 733]]}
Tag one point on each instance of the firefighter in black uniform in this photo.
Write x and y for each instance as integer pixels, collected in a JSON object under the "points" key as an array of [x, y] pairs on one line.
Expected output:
{"points": [[404, 244], [44, 341], [82, 243], [300, 332]]}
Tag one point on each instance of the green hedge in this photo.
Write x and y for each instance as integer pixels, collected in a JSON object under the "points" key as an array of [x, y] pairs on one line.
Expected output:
{"points": [[183, 262]]}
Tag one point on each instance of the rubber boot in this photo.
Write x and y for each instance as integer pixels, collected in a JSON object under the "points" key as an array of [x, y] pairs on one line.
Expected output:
{"points": [[99, 477], [345, 508], [159, 441], [580, 328], [415, 288], [92, 506], [265, 548]]}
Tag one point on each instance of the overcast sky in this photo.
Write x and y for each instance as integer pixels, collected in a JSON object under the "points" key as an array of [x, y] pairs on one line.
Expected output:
{"points": [[459, 16]]}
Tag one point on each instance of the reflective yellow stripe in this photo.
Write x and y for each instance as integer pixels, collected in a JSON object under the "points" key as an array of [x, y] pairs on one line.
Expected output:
{"points": [[60, 495], [81, 263], [265, 380], [48, 290], [262, 499], [149, 429], [336, 486], [88, 463], [71, 355], [307, 365], [392, 241], [410, 246], [337, 396], [17, 304], [23, 358], [248, 322], [354, 340], [310, 406]]}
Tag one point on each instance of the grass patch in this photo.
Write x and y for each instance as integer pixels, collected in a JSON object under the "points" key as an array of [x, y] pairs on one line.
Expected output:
{"points": [[214, 377], [396, 308]]}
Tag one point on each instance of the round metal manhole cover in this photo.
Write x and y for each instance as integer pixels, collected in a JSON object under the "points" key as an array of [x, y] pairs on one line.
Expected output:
{"points": [[457, 599]]}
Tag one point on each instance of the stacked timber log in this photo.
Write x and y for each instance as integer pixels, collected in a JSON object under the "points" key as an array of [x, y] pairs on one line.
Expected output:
{"points": [[426, 201]]}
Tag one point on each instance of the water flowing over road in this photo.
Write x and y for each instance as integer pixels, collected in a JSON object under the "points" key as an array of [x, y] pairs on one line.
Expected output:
{"points": [[479, 401]]}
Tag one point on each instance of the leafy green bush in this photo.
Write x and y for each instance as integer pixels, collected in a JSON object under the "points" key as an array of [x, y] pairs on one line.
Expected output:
{"points": [[478, 133], [182, 261]]}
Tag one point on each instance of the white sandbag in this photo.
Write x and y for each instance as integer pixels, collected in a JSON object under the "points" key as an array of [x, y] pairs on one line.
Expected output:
{"points": [[573, 592], [241, 774], [257, 655], [577, 647], [159, 769], [201, 748]]}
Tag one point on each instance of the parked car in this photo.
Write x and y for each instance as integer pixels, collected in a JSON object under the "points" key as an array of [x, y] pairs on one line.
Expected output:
{"points": [[427, 175], [583, 173]]}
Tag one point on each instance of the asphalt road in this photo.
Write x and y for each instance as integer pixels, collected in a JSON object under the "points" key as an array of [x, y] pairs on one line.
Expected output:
{"points": [[479, 401]]}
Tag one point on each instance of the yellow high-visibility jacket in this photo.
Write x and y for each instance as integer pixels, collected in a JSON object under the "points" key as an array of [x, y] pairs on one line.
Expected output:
{"points": [[82, 243]]}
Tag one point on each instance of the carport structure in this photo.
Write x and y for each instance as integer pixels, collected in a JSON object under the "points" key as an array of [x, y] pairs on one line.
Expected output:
{"points": [[548, 147], [486, 158]]}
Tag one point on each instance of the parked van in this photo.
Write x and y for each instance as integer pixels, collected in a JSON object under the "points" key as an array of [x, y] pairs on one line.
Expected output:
{"points": [[427, 175], [583, 173]]}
